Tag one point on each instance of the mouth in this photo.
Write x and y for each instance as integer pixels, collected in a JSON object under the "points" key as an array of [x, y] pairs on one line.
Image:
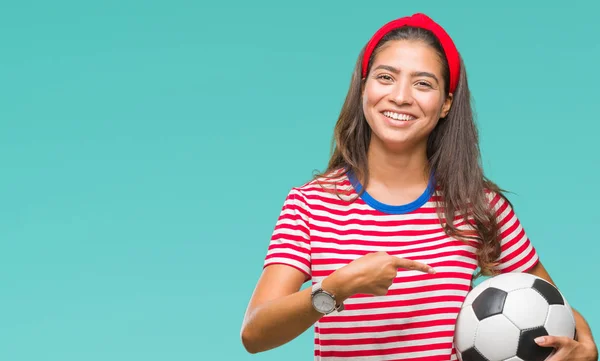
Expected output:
{"points": [[400, 116]]}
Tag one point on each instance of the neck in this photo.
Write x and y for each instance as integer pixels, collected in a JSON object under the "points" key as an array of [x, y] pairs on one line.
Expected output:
{"points": [[398, 169]]}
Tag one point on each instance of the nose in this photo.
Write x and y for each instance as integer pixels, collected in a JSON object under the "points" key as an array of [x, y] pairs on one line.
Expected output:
{"points": [[402, 92]]}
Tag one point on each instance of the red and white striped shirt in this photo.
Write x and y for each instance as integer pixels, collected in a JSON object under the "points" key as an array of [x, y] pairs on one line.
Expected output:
{"points": [[318, 233]]}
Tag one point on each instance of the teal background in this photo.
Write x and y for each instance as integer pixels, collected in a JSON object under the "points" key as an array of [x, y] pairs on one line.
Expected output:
{"points": [[147, 148]]}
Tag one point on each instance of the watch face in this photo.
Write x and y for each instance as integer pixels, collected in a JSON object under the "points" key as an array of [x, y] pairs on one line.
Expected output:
{"points": [[323, 303]]}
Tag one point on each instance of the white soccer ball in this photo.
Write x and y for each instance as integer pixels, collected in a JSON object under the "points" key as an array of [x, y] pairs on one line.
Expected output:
{"points": [[502, 316]]}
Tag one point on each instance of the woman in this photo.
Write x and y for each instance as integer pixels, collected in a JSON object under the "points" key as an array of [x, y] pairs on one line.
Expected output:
{"points": [[389, 272]]}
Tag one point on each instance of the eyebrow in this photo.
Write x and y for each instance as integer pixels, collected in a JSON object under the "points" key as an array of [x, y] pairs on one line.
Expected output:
{"points": [[414, 73]]}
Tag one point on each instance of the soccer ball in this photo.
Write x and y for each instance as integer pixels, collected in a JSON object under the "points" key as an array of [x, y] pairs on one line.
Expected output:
{"points": [[502, 316]]}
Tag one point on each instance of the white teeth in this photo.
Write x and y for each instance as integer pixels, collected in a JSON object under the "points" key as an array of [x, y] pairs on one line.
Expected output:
{"points": [[397, 116]]}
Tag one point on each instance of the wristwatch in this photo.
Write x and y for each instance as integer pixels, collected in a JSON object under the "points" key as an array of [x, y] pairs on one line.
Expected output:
{"points": [[323, 301]]}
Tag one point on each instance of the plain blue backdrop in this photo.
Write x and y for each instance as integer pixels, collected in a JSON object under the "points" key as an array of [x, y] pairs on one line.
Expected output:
{"points": [[147, 148]]}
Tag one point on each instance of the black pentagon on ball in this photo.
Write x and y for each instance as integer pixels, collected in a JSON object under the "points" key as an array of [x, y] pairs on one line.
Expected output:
{"points": [[490, 302], [548, 291], [528, 350], [472, 355]]}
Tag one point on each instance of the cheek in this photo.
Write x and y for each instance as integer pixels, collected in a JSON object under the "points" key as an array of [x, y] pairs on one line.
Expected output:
{"points": [[367, 104], [432, 105], [367, 110], [372, 94]]}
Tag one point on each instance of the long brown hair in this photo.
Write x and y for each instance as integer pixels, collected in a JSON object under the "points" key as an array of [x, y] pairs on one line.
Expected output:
{"points": [[452, 150]]}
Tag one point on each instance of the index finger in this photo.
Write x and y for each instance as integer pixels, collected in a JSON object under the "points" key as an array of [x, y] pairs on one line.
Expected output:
{"points": [[553, 341], [413, 265]]}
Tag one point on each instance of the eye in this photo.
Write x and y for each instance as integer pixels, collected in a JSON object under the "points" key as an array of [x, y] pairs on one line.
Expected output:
{"points": [[385, 77], [423, 83]]}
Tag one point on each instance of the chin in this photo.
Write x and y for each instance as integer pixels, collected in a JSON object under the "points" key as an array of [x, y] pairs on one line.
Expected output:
{"points": [[395, 144], [397, 140]]}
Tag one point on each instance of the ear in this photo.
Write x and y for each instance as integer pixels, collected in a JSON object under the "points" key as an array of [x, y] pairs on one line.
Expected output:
{"points": [[447, 105], [363, 81]]}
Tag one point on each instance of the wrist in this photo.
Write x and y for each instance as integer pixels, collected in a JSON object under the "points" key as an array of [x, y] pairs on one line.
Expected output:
{"points": [[339, 285]]}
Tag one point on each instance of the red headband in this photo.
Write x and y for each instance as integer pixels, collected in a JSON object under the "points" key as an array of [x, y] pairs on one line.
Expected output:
{"points": [[424, 22]]}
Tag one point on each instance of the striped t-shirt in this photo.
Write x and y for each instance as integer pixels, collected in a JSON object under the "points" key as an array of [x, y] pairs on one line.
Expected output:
{"points": [[318, 233]]}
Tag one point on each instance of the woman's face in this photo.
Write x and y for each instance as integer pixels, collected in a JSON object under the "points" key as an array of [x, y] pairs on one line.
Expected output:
{"points": [[403, 95]]}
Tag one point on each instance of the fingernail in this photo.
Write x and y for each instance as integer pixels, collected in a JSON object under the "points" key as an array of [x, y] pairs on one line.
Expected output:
{"points": [[431, 270], [539, 340]]}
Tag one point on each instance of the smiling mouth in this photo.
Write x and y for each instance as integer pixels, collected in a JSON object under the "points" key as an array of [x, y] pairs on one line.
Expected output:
{"points": [[399, 116]]}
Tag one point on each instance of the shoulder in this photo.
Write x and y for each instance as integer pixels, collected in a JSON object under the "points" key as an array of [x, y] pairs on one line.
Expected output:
{"points": [[336, 179], [501, 207], [325, 189], [496, 198]]}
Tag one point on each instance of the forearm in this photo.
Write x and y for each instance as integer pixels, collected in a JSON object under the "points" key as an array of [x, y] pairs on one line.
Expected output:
{"points": [[584, 332], [581, 326], [281, 320]]}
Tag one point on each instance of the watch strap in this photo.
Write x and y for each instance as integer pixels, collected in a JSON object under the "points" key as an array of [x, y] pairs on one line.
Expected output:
{"points": [[317, 288]]}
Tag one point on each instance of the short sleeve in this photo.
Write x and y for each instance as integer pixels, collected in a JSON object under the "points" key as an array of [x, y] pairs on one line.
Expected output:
{"points": [[290, 242], [517, 251]]}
